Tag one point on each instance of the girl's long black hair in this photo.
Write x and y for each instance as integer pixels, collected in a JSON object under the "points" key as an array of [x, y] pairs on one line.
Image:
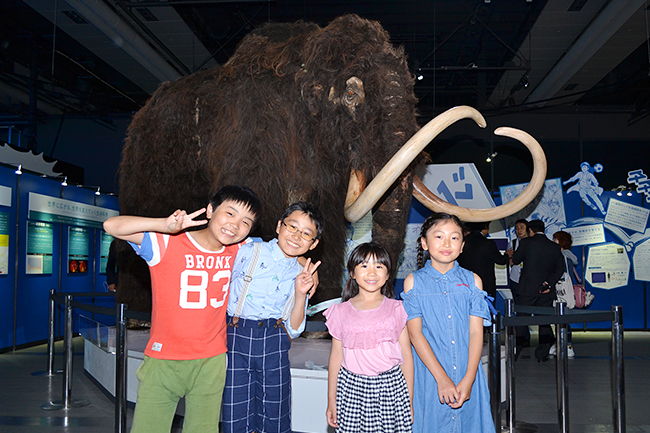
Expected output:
{"points": [[434, 219], [362, 254]]}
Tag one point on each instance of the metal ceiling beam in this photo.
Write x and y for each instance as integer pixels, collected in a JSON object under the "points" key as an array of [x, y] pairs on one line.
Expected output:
{"points": [[101, 16], [161, 4], [604, 26]]}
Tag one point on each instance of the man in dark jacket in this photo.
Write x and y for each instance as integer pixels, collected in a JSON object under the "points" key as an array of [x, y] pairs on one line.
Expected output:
{"points": [[543, 267], [480, 254]]}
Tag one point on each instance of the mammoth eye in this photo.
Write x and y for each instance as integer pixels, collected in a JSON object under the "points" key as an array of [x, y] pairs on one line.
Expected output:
{"points": [[354, 93], [351, 98]]}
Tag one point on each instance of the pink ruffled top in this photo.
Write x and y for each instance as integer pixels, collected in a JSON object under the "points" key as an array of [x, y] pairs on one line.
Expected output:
{"points": [[370, 338]]}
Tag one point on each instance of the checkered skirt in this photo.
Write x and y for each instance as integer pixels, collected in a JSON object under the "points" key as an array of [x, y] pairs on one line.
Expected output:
{"points": [[366, 404]]}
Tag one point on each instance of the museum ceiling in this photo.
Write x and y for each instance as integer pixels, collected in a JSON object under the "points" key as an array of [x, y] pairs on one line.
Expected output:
{"points": [[103, 58]]}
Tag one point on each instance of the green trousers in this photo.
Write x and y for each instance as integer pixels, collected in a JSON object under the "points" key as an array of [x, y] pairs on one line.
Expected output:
{"points": [[164, 382]]}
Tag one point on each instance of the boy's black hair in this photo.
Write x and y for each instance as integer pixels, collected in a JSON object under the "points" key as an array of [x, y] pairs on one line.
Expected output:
{"points": [[361, 254], [312, 212], [537, 226], [238, 194], [434, 219]]}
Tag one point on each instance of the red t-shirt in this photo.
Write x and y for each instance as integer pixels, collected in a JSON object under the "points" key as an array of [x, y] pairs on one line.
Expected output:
{"points": [[189, 296]]}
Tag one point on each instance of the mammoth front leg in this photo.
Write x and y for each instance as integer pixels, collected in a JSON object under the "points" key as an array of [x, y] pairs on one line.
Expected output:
{"points": [[390, 217]]}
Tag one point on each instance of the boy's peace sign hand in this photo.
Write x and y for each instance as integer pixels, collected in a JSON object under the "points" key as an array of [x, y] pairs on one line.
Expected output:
{"points": [[180, 220], [307, 279]]}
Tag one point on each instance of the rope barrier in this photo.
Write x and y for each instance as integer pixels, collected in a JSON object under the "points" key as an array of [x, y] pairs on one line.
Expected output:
{"points": [[66, 401], [596, 316], [121, 315], [106, 311], [561, 317]]}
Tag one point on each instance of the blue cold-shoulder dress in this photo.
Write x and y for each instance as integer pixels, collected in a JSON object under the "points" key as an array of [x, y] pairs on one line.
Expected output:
{"points": [[445, 302]]}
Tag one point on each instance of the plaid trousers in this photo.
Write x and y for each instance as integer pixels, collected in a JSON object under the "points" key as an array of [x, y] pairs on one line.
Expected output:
{"points": [[257, 395]]}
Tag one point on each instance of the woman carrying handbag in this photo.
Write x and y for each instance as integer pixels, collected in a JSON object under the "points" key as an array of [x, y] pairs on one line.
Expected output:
{"points": [[564, 287]]}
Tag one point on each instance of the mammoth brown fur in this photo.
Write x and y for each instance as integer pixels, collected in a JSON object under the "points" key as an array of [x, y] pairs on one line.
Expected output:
{"points": [[289, 115]]}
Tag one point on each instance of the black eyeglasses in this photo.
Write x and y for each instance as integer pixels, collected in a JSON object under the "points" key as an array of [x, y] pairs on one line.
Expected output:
{"points": [[294, 229]]}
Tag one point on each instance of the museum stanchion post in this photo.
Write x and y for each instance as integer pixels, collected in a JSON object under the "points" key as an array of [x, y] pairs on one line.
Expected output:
{"points": [[618, 370], [562, 370], [494, 369], [120, 368], [50, 340], [67, 402]]}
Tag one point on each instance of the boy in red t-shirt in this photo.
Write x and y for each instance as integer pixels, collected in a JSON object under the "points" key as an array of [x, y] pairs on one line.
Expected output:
{"points": [[190, 275]]}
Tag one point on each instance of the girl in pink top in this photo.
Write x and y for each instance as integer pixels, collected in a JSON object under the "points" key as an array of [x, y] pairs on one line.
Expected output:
{"points": [[370, 380]]}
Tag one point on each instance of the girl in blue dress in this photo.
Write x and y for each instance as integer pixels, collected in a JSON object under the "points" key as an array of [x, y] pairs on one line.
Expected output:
{"points": [[447, 310]]}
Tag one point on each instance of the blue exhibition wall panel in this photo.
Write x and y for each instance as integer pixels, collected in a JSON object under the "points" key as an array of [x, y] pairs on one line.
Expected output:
{"points": [[79, 275], [101, 287], [76, 274], [37, 254], [109, 202], [33, 289], [8, 256], [627, 291]]}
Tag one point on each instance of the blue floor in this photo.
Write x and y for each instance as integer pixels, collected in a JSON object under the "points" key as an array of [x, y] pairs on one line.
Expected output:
{"points": [[590, 400]]}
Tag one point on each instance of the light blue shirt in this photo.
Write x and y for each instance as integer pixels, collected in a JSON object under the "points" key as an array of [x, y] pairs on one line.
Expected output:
{"points": [[272, 285]]}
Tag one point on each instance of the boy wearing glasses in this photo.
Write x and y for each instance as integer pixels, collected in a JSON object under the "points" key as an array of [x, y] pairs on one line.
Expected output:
{"points": [[266, 309]]}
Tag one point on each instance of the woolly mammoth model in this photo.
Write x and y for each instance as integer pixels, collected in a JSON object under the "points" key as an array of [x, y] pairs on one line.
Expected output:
{"points": [[298, 113]]}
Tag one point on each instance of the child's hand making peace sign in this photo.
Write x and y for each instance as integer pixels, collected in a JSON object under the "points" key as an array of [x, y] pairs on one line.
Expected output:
{"points": [[180, 220], [307, 280]]}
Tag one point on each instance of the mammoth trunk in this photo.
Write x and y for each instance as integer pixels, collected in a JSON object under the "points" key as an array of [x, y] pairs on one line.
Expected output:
{"points": [[390, 217]]}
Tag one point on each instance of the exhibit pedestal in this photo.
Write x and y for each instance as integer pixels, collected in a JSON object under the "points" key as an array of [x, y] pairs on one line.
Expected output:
{"points": [[309, 359]]}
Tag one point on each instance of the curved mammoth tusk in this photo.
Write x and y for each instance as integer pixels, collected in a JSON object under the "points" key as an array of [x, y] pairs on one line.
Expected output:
{"points": [[401, 160], [436, 204], [355, 186]]}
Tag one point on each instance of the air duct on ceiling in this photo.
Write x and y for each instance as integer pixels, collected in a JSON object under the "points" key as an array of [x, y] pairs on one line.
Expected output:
{"points": [[108, 22]]}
